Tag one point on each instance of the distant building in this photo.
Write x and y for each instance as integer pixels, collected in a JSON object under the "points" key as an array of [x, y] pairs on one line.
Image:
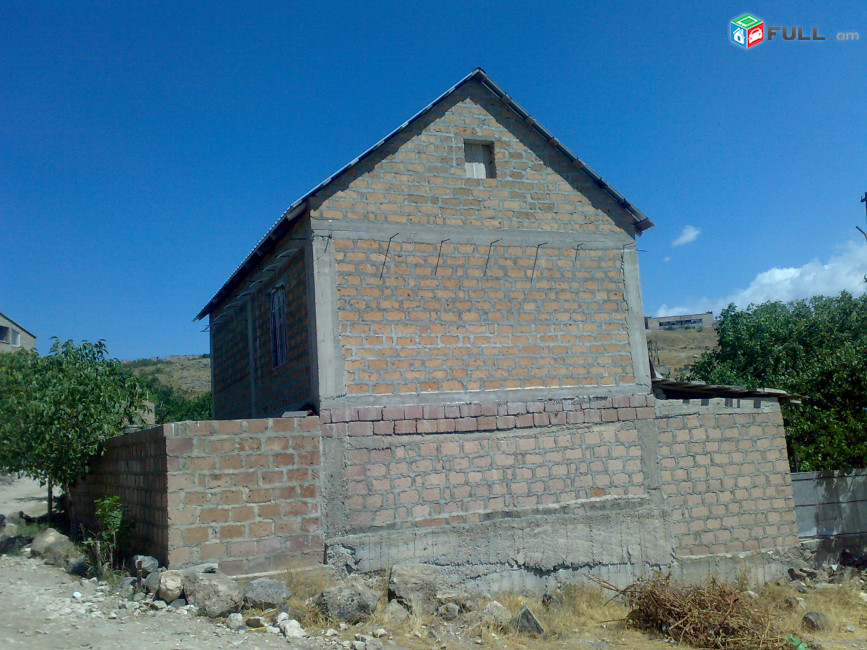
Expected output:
{"points": [[14, 337], [680, 322]]}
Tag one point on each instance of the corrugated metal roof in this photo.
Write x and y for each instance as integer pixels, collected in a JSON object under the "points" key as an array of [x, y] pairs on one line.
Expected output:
{"points": [[297, 208], [678, 389]]}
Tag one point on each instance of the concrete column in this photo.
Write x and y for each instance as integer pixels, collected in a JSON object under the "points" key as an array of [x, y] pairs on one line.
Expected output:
{"points": [[330, 380], [635, 318], [251, 357]]}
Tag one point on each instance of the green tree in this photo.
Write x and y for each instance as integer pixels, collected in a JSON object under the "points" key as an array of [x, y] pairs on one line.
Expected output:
{"points": [[56, 411], [816, 348], [172, 404]]}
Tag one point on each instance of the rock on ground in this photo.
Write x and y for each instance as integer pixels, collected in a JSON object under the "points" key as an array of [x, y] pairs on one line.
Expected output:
{"points": [[350, 601], [495, 614], [214, 593], [235, 621], [53, 547], [415, 586], [815, 621], [171, 586], [526, 622], [148, 564], [152, 582], [291, 629], [266, 593], [395, 613]]}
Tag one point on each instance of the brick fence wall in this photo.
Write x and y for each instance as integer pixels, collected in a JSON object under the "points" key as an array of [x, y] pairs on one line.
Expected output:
{"points": [[242, 493], [725, 475], [630, 482], [133, 467]]}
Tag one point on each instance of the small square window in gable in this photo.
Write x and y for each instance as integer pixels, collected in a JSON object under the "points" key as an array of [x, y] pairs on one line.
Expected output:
{"points": [[479, 159]]}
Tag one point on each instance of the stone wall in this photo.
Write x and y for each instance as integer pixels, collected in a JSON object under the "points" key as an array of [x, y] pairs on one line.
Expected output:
{"points": [[725, 475], [286, 386], [230, 354], [418, 178], [444, 288], [423, 285], [247, 383], [433, 465]]}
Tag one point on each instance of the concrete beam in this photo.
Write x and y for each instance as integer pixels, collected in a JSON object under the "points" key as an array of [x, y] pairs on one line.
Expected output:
{"points": [[469, 234]]}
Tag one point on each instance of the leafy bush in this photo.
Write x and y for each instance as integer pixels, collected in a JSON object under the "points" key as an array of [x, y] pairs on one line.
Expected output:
{"points": [[816, 348]]}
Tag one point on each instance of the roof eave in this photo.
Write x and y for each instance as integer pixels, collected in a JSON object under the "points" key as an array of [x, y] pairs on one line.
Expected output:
{"points": [[294, 212]]}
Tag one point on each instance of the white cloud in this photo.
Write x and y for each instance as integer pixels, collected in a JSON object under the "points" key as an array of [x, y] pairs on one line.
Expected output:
{"points": [[666, 258], [687, 236], [843, 271]]}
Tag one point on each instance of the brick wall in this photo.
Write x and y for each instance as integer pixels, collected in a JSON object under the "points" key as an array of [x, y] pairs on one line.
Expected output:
{"points": [[628, 482], [437, 479], [246, 382], [405, 467], [418, 178], [288, 385], [133, 467], [230, 363], [725, 475], [447, 284], [470, 317], [242, 493]]}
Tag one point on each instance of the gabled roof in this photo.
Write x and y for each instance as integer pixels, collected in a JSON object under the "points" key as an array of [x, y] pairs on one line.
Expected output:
{"points": [[295, 210], [17, 325]]}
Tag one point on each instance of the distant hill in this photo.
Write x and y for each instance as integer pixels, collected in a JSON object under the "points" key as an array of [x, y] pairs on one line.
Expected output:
{"points": [[678, 349], [188, 372]]}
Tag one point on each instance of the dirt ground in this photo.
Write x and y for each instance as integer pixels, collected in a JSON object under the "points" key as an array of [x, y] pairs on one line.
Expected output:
{"points": [[43, 607]]}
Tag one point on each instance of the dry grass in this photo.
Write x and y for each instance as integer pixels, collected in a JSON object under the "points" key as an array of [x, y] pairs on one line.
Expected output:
{"points": [[305, 584], [840, 603], [713, 615], [576, 608], [187, 372], [678, 348]]}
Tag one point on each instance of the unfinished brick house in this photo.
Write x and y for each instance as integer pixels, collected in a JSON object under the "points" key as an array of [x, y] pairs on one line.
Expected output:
{"points": [[460, 309], [469, 255]]}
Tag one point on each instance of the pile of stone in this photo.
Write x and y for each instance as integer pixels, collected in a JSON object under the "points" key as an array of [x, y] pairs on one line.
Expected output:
{"points": [[202, 588], [418, 590], [414, 590]]}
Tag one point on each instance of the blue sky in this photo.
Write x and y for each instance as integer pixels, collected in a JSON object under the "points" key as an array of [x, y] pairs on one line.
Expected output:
{"points": [[145, 147]]}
